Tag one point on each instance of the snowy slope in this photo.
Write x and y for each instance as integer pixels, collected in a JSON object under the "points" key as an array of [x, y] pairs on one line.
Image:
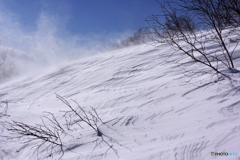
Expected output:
{"points": [[150, 109]]}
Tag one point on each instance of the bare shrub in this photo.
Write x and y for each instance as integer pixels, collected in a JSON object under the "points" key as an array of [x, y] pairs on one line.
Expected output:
{"points": [[79, 115], [232, 11], [4, 113], [50, 133], [137, 38], [191, 27], [47, 134], [3, 57], [7, 66]]}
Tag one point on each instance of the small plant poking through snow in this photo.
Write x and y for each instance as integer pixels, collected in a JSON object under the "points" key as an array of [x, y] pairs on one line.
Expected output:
{"points": [[90, 118], [51, 133], [3, 113], [47, 134]]}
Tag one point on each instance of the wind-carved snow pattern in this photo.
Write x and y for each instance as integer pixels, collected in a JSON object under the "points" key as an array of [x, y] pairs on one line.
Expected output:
{"points": [[149, 108]]}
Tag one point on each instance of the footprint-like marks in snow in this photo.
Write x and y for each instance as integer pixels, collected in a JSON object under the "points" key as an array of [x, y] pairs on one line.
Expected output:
{"points": [[148, 52], [130, 120], [231, 110], [124, 120], [199, 87], [190, 151], [229, 137], [171, 136]]}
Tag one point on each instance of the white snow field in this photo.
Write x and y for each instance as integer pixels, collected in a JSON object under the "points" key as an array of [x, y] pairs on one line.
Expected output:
{"points": [[151, 110]]}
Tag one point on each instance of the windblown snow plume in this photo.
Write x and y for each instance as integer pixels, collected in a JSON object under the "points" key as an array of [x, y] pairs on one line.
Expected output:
{"points": [[46, 44]]}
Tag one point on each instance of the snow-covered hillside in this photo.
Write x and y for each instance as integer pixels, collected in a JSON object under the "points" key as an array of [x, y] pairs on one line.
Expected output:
{"points": [[150, 109]]}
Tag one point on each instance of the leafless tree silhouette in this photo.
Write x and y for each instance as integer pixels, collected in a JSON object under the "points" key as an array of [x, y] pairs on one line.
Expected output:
{"points": [[189, 26]]}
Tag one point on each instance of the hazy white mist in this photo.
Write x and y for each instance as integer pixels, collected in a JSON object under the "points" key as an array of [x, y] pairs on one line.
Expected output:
{"points": [[45, 44]]}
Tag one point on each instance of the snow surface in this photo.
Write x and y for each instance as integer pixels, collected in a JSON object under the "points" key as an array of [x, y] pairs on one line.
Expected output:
{"points": [[150, 108]]}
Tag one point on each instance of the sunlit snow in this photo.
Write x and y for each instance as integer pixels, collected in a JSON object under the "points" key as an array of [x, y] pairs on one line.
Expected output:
{"points": [[150, 109]]}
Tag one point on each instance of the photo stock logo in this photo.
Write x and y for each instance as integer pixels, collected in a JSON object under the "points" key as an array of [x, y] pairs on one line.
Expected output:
{"points": [[224, 154]]}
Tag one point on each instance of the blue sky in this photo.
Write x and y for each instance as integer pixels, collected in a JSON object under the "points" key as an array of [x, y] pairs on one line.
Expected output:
{"points": [[50, 30], [84, 16]]}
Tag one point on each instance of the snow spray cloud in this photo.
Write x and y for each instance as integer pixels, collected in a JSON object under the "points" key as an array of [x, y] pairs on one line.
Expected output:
{"points": [[46, 45]]}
